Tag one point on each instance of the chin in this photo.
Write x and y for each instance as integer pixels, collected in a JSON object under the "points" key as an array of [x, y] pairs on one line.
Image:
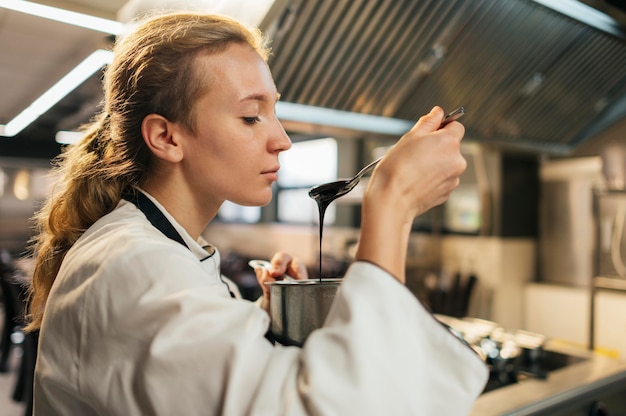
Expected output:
{"points": [[264, 202], [260, 201]]}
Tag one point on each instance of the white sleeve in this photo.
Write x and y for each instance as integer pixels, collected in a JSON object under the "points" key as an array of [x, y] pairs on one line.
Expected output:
{"points": [[381, 352]]}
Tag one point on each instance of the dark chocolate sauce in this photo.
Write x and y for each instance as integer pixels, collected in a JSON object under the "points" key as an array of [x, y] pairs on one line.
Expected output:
{"points": [[324, 195]]}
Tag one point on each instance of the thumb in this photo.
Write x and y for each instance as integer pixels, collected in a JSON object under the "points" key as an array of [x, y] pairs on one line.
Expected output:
{"points": [[429, 122]]}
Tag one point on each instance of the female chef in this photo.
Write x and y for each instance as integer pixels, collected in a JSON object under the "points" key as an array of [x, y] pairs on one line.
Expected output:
{"points": [[134, 316]]}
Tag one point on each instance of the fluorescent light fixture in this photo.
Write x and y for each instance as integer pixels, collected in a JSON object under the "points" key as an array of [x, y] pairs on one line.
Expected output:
{"points": [[342, 119], [68, 137], [586, 14], [65, 16], [64, 86]]}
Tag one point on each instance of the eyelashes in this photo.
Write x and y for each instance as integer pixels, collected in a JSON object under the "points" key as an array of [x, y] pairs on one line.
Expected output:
{"points": [[251, 120]]}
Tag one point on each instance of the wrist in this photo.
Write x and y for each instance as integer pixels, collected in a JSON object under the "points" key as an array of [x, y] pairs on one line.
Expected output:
{"points": [[384, 237]]}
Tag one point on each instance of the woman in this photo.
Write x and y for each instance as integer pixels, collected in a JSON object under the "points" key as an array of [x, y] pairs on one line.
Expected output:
{"points": [[135, 318]]}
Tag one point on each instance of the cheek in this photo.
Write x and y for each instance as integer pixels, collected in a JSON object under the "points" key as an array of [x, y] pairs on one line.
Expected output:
{"points": [[226, 161], [225, 151], [235, 158]]}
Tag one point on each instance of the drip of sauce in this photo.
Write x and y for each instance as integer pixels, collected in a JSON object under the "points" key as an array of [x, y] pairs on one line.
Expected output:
{"points": [[324, 195]]}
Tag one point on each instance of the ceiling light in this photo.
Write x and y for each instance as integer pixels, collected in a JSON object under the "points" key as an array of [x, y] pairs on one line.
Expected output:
{"points": [[583, 13], [342, 119], [65, 16], [64, 86]]}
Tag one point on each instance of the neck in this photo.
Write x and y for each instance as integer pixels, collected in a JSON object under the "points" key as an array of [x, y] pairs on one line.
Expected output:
{"points": [[181, 204]]}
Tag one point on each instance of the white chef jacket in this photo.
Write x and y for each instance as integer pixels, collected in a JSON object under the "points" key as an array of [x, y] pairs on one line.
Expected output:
{"points": [[136, 325]]}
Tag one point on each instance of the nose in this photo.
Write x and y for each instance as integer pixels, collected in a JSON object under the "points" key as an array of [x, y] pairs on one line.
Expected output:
{"points": [[279, 141]]}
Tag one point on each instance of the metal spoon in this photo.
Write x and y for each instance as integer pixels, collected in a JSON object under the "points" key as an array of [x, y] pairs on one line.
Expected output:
{"points": [[330, 191]]}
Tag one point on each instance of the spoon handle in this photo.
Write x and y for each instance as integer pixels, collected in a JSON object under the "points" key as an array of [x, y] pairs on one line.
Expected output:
{"points": [[453, 116], [368, 168]]}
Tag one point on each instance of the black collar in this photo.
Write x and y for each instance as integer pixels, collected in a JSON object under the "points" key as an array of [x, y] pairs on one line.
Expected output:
{"points": [[154, 215]]}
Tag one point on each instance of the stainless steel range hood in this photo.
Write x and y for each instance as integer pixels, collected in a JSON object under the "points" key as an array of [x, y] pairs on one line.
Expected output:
{"points": [[529, 75]]}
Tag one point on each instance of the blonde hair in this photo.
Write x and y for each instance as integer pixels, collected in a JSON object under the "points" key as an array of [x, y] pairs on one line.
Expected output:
{"points": [[152, 73]]}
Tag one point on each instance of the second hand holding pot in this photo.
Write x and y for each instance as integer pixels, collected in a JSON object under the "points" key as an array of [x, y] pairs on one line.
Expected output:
{"points": [[297, 307]]}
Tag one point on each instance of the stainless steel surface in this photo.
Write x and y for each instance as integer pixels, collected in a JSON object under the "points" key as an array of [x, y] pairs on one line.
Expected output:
{"points": [[298, 307], [532, 77], [565, 239], [566, 220], [570, 390]]}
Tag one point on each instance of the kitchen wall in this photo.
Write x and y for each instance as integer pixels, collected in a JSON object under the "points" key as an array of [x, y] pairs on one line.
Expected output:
{"points": [[562, 313], [503, 266]]}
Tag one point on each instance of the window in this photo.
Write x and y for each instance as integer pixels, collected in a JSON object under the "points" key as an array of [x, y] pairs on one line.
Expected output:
{"points": [[238, 213], [306, 164]]}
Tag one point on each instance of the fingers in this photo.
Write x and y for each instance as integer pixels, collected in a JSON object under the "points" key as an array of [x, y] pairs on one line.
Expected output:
{"points": [[429, 122], [281, 265], [422, 169], [262, 276], [284, 263]]}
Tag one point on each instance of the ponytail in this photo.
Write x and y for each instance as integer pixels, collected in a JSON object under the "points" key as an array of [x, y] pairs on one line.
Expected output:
{"points": [[90, 185]]}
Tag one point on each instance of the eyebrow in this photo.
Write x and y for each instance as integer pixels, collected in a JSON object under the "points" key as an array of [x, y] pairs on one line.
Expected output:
{"points": [[258, 97]]}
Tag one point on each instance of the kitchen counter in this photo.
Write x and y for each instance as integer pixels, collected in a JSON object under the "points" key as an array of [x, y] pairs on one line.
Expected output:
{"points": [[571, 390]]}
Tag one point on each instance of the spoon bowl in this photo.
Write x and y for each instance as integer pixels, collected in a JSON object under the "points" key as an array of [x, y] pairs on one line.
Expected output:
{"points": [[333, 190]]}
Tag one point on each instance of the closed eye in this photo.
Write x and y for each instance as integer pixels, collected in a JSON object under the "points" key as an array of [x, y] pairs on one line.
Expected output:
{"points": [[251, 120]]}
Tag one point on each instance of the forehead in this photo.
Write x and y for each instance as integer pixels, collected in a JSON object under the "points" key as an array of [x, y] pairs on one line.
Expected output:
{"points": [[234, 73]]}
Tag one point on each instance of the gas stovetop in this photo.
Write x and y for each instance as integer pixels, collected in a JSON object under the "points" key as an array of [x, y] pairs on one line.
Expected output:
{"points": [[511, 355], [537, 364]]}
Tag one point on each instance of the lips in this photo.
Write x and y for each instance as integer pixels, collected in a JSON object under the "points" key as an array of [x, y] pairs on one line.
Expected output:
{"points": [[271, 173], [273, 170]]}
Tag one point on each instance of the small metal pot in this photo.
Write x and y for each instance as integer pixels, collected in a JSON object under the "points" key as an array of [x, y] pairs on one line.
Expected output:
{"points": [[298, 307]]}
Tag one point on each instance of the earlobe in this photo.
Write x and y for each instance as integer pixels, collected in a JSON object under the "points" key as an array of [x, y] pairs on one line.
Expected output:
{"points": [[158, 135]]}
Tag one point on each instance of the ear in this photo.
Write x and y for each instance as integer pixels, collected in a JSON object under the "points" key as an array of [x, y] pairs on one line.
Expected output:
{"points": [[157, 132]]}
